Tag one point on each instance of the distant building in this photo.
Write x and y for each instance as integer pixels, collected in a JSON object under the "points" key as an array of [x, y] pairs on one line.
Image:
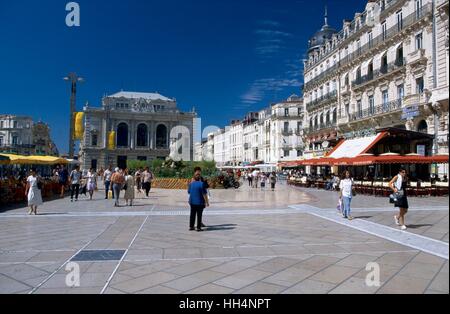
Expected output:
{"points": [[271, 135], [20, 135], [42, 141], [143, 126]]}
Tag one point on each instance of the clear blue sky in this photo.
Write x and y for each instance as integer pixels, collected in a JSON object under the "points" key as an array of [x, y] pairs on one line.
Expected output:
{"points": [[223, 57]]}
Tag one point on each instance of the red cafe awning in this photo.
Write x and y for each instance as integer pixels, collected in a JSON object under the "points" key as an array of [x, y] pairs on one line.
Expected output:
{"points": [[369, 160]]}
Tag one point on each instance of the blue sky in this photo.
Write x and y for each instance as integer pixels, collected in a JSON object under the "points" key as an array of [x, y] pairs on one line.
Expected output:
{"points": [[224, 58]]}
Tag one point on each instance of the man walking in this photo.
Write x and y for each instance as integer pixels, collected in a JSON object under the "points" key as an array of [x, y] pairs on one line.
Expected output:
{"points": [[75, 180]]}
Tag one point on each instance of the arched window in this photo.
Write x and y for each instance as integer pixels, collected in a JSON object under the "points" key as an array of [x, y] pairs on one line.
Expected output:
{"points": [[122, 135], [142, 135], [161, 136], [422, 127], [334, 115]]}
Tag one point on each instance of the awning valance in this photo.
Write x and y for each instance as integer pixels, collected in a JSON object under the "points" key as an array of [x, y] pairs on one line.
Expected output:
{"points": [[31, 160]]}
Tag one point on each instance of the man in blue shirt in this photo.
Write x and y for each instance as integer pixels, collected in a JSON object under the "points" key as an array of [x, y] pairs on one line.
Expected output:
{"points": [[198, 199]]}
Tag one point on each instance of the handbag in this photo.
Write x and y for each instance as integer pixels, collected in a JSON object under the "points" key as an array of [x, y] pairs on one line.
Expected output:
{"points": [[125, 187], [40, 185]]}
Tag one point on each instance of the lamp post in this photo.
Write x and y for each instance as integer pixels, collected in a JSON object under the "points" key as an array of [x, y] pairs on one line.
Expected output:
{"points": [[73, 79]]}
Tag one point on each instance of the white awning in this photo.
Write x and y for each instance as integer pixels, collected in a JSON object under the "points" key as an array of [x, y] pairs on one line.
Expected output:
{"points": [[355, 147]]}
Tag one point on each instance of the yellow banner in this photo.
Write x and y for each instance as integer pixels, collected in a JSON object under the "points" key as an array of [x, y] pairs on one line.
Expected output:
{"points": [[112, 140], [79, 126]]}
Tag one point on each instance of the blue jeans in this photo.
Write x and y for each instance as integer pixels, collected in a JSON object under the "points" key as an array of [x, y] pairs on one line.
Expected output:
{"points": [[116, 190], [346, 201]]}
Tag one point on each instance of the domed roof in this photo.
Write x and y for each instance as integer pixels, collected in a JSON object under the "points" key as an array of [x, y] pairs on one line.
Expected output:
{"points": [[322, 36]]}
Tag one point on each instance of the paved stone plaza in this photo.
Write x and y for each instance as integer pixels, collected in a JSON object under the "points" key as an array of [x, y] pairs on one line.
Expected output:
{"points": [[289, 241]]}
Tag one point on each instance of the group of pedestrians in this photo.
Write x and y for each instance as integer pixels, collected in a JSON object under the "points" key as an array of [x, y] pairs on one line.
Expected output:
{"points": [[117, 180], [257, 179], [399, 197]]}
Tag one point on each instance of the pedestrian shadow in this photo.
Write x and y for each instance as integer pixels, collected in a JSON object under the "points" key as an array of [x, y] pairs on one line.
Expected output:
{"points": [[363, 217], [52, 214], [419, 226], [221, 227]]}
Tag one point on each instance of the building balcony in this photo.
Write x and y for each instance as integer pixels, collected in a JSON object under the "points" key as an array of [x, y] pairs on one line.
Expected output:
{"points": [[323, 100], [417, 56], [379, 73], [316, 80], [389, 107], [320, 127], [416, 100]]}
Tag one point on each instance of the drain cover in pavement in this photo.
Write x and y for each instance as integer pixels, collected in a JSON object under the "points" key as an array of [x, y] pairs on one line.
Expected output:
{"points": [[99, 255]]}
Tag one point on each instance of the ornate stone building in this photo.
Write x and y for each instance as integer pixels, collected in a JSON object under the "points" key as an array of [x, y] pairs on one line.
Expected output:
{"points": [[388, 67], [20, 135], [42, 141], [145, 126], [16, 135]]}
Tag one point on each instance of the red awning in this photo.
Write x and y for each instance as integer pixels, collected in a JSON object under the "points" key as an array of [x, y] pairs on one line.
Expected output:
{"points": [[369, 160]]}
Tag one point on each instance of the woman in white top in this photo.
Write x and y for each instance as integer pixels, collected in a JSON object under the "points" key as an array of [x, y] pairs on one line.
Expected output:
{"points": [[398, 185], [346, 194], [129, 191], [33, 192], [91, 182]]}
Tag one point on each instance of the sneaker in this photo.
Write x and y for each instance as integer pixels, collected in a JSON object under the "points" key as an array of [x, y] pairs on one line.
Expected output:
{"points": [[403, 228], [199, 229], [191, 229], [397, 222], [350, 218]]}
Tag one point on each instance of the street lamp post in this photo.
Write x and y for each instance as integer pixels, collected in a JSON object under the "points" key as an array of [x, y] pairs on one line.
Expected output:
{"points": [[73, 79]]}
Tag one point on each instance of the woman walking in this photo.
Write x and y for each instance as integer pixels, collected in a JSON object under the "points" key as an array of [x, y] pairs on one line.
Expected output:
{"points": [[398, 185], [117, 180], [91, 178], [346, 194], [129, 191], [33, 192]]}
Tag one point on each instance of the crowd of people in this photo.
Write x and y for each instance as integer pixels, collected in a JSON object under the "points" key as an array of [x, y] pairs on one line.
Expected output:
{"points": [[114, 182]]}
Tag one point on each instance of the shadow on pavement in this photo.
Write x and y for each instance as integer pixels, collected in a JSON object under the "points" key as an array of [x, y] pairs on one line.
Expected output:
{"points": [[220, 227], [419, 226]]}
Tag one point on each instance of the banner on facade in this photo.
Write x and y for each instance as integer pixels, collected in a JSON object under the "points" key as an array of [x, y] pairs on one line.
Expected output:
{"points": [[79, 126], [112, 140]]}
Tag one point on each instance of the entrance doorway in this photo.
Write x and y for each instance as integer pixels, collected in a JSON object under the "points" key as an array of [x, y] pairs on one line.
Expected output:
{"points": [[122, 162]]}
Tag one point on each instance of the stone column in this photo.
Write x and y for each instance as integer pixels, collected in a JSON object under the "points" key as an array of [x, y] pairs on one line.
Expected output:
{"points": [[132, 134]]}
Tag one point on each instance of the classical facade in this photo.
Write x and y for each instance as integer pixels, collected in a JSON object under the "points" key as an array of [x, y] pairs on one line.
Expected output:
{"points": [[143, 126], [388, 67]]}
